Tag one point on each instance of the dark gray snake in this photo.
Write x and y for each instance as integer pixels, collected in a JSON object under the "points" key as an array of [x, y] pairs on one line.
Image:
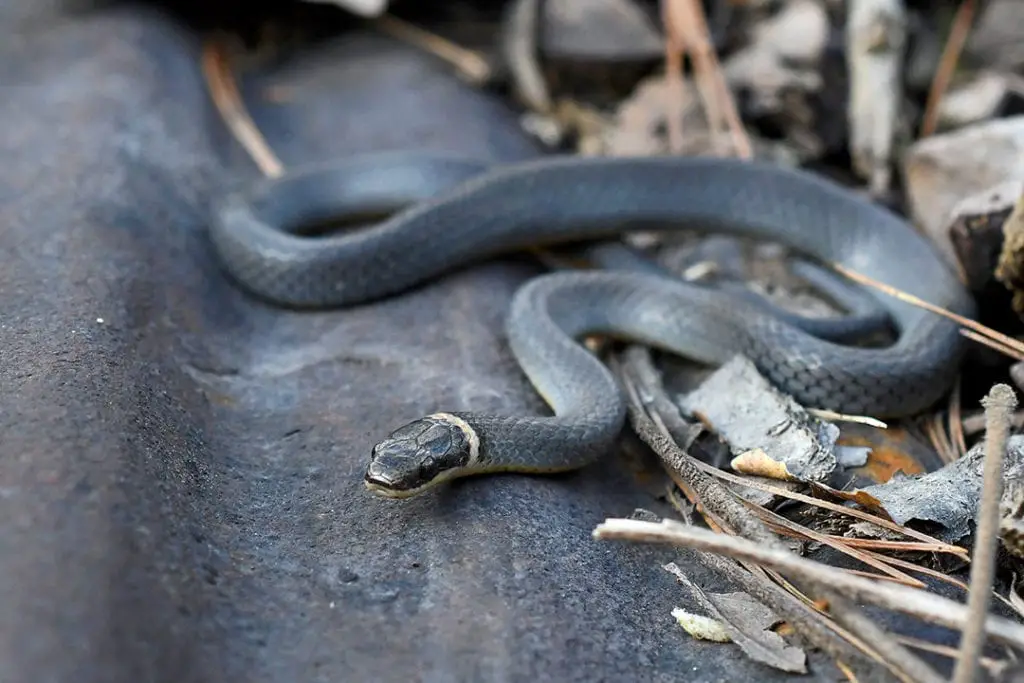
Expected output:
{"points": [[567, 199]]}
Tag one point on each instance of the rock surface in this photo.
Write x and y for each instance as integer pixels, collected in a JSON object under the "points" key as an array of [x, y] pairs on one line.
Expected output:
{"points": [[943, 170], [995, 37], [180, 493]]}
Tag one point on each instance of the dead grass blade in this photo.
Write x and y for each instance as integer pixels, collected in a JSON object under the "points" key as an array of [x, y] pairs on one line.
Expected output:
{"points": [[220, 80], [987, 335], [1006, 349], [938, 545], [470, 65], [959, 30], [785, 526]]}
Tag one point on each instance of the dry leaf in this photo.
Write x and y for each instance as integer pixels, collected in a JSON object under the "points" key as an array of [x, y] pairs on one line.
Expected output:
{"points": [[858, 496], [701, 627], [756, 462], [747, 622]]}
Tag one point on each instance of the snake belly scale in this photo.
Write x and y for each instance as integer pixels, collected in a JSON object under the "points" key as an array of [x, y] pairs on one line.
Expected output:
{"points": [[563, 199]]}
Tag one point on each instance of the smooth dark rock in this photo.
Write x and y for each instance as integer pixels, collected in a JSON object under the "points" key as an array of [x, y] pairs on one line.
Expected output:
{"points": [[180, 465]]}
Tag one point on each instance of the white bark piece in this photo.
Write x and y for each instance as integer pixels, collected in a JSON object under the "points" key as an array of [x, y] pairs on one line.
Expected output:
{"points": [[876, 32]]}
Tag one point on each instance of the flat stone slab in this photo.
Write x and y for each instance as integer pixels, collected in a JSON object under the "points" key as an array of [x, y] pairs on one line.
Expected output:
{"points": [[180, 481], [180, 474]]}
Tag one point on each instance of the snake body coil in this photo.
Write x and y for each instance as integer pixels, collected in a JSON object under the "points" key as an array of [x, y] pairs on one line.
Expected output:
{"points": [[562, 199]]}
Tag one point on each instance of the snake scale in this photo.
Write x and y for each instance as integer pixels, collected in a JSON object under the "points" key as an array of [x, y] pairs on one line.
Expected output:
{"points": [[560, 199]]}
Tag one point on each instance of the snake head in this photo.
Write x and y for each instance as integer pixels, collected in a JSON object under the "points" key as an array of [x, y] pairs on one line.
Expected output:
{"points": [[419, 455]]}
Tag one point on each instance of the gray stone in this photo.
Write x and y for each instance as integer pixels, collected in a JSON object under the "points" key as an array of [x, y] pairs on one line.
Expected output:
{"points": [[942, 170], [994, 38], [180, 465]]}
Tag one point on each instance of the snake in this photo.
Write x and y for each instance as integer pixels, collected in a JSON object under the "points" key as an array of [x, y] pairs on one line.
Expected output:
{"points": [[443, 215]]}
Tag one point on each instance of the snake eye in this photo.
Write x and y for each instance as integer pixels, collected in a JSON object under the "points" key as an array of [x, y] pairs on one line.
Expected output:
{"points": [[428, 467]]}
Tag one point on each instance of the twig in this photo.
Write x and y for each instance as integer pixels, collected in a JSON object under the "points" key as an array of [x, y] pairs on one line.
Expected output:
{"points": [[640, 371], [976, 423], [883, 544], [682, 22], [638, 375], [902, 661], [687, 32], [221, 83], [956, 424], [518, 45], [920, 569], [914, 602], [740, 140], [991, 664], [940, 440], [1001, 348], [673, 79], [833, 416], [947, 65], [789, 527], [468, 63], [885, 577], [999, 403], [850, 676]]}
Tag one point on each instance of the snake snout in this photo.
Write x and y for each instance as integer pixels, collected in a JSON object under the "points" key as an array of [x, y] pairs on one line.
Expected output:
{"points": [[417, 455]]}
